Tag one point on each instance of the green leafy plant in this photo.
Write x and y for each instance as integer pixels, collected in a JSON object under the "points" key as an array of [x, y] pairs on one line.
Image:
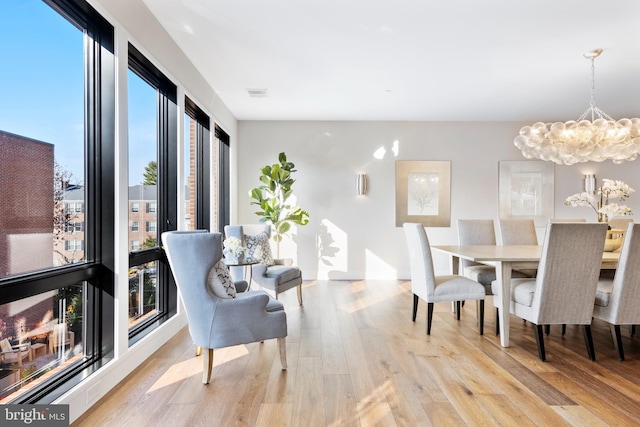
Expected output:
{"points": [[273, 198]]}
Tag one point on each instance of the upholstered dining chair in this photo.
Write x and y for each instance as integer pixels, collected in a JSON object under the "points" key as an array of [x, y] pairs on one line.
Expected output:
{"points": [[431, 288], [477, 232], [617, 299], [565, 287], [480, 232], [215, 320], [516, 231], [278, 275]]}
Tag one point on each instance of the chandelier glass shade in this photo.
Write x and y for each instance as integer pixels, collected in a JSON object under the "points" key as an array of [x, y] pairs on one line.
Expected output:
{"points": [[583, 140]]}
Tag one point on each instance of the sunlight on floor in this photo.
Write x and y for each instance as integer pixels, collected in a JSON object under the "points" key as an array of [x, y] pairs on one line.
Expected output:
{"points": [[180, 371]]}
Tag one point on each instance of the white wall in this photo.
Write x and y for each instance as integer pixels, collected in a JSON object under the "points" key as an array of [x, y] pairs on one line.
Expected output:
{"points": [[358, 235]]}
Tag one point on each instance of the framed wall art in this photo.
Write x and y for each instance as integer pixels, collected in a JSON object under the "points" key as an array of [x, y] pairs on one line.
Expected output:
{"points": [[526, 190], [423, 192]]}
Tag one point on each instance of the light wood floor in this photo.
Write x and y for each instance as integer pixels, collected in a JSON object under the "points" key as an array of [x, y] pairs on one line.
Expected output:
{"points": [[356, 359]]}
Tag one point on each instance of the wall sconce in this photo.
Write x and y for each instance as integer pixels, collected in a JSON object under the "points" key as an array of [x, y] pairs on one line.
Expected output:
{"points": [[590, 184], [361, 184]]}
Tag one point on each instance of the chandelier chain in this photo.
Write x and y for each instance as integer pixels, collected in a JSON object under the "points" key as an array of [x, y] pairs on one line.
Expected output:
{"points": [[593, 88]]}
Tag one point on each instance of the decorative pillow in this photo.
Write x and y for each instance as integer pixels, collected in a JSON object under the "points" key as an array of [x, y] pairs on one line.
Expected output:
{"points": [[5, 346], [220, 282], [258, 248]]}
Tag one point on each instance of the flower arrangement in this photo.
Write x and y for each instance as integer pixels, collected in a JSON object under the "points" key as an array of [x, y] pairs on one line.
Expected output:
{"points": [[604, 208], [232, 248]]}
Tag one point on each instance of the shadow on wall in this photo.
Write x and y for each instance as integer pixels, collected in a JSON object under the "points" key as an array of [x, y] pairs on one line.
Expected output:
{"points": [[325, 246]]}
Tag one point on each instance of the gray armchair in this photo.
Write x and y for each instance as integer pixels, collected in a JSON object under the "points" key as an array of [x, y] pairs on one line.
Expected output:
{"points": [[278, 277], [214, 322]]}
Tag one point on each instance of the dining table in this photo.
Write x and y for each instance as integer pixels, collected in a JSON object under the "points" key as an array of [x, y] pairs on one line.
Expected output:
{"points": [[505, 259]]}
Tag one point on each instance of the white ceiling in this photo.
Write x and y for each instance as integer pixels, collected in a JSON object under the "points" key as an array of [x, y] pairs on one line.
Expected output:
{"points": [[468, 60]]}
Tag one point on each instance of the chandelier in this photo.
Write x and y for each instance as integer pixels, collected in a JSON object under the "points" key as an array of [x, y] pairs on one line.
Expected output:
{"points": [[582, 140]]}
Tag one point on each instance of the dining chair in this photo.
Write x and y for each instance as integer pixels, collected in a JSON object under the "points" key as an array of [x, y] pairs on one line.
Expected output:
{"points": [[477, 232], [564, 220], [431, 288], [516, 231], [519, 231], [617, 299], [564, 290], [480, 232], [218, 321]]}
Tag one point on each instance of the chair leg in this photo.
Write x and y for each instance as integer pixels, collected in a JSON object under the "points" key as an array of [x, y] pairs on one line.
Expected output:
{"points": [[300, 294], [547, 329], [198, 350], [540, 342], [207, 365], [497, 321], [588, 340], [564, 329], [282, 348], [415, 307], [617, 341], [458, 310], [429, 317], [481, 310], [632, 330]]}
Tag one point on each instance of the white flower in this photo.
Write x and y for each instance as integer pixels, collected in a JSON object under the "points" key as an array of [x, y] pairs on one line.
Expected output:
{"points": [[610, 189], [613, 209], [579, 199], [233, 245], [615, 189]]}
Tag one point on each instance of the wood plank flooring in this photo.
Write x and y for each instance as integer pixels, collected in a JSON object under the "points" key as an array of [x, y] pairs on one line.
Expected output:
{"points": [[356, 359]]}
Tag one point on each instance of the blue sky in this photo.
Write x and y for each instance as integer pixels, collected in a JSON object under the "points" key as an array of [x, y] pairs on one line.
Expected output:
{"points": [[42, 88]]}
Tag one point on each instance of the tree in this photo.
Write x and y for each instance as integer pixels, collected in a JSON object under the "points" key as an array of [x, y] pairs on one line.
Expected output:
{"points": [[272, 198], [150, 173]]}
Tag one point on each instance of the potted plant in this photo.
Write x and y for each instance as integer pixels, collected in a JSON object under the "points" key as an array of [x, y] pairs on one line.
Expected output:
{"points": [[273, 198]]}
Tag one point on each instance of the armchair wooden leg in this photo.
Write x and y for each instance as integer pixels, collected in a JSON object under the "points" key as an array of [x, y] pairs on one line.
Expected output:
{"points": [[540, 342], [617, 341], [415, 307], [429, 317], [481, 313], [282, 348], [207, 365], [300, 294], [198, 350], [588, 340]]}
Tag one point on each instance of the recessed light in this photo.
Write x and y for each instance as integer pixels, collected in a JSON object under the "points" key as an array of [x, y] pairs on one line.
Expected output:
{"points": [[257, 93]]}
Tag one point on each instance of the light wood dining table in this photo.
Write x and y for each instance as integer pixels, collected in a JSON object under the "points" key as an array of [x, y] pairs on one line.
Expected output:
{"points": [[505, 259]]}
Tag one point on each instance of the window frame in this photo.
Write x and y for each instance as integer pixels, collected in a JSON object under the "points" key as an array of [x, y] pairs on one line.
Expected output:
{"points": [[97, 270], [166, 208]]}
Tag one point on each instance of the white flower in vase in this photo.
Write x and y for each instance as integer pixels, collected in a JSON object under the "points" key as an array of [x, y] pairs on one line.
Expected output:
{"points": [[610, 189], [233, 249]]}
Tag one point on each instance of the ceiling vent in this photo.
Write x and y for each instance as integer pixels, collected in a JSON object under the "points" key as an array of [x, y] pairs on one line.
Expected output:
{"points": [[257, 93]]}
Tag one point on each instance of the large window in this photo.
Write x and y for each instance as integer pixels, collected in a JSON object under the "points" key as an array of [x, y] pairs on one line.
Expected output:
{"points": [[152, 192], [56, 203], [221, 214], [197, 166]]}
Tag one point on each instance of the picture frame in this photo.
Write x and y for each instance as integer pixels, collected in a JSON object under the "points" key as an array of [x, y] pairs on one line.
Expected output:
{"points": [[423, 192], [526, 190]]}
